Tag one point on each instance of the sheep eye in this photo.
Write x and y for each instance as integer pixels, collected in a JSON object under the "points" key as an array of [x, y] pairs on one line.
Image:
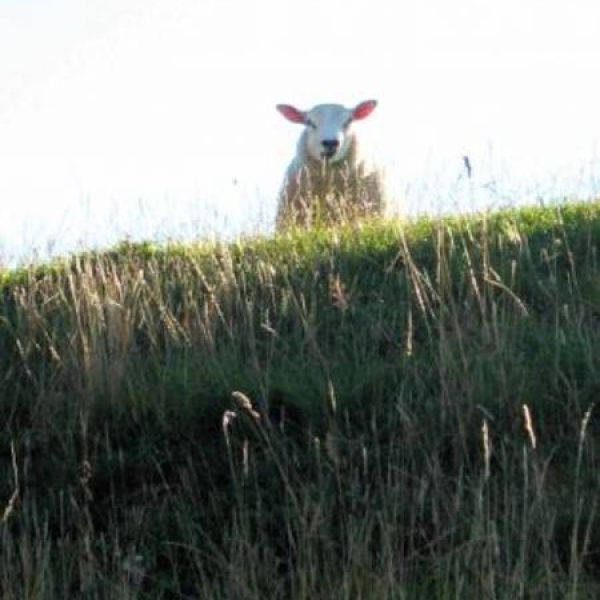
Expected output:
{"points": [[310, 124], [347, 124]]}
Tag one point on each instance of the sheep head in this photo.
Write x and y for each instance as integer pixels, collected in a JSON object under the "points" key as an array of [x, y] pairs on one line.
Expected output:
{"points": [[328, 135]]}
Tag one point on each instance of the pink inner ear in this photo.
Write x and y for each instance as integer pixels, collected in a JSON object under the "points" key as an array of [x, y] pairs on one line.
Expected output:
{"points": [[292, 114], [364, 109]]}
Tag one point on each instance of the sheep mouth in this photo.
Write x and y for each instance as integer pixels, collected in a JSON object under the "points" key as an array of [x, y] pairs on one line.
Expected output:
{"points": [[327, 155]]}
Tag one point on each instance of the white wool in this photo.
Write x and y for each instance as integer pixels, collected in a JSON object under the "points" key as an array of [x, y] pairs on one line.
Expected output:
{"points": [[329, 180]]}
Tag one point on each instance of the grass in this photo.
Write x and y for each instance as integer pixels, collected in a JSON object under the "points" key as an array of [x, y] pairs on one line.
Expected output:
{"points": [[382, 410]]}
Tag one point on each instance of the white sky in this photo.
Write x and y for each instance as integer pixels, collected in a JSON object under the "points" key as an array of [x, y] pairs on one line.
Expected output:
{"points": [[156, 117]]}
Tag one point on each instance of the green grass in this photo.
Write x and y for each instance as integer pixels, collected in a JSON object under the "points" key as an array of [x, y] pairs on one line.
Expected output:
{"points": [[325, 414]]}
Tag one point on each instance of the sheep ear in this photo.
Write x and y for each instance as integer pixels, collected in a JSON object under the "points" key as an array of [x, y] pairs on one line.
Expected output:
{"points": [[292, 114], [364, 109]]}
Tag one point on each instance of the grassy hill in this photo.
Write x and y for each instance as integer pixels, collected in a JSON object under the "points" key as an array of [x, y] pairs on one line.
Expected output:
{"points": [[383, 410]]}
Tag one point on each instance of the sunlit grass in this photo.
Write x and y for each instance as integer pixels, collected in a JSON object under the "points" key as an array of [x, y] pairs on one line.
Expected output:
{"points": [[383, 410]]}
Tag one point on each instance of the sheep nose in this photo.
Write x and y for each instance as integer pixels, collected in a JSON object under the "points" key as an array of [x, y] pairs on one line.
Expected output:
{"points": [[330, 146]]}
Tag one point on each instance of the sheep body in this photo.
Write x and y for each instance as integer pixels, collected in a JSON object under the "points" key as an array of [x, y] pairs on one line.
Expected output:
{"points": [[329, 180]]}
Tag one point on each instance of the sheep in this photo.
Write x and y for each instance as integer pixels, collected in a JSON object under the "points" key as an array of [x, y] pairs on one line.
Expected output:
{"points": [[328, 180]]}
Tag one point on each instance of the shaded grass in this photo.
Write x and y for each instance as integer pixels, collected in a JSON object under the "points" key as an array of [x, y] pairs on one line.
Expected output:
{"points": [[378, 448]]}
